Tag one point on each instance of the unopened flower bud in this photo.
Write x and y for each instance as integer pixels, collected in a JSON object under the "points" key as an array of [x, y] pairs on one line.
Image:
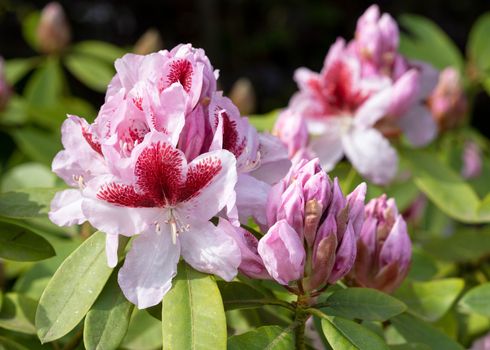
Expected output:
{"points": [[472, 160], [53, 31], [243, 96], [5, 89], [149, 42], [291, 130], [383, 249], [448, 103]]}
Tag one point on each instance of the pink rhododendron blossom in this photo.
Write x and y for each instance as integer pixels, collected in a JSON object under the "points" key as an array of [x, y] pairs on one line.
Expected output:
{"points": [[166, 153], [307, 215], [364, 93], [472, 160], [384, 249]]}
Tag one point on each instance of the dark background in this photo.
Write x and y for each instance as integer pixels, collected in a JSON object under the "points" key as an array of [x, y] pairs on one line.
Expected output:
{"points": [[264, 40]]}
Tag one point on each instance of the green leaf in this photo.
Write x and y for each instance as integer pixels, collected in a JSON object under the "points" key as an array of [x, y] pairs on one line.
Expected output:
{"points": [[36, 144], [29, 28], [17, 313], [21, 244], [107, 321], [432, 299], [410, 346], [263, 338], [17, 68], [476, 300], [423, 266], [99, 49], [193, 316], [9, 344], [427, 42], [465, 245], [363, 303], [264, 122], [343, 334], [73, 289], [144, 333], [444, 187], [28, 175], [26, 203], [238, 295], [414, 330], [91, 71], [45, 87], [478, 47]]}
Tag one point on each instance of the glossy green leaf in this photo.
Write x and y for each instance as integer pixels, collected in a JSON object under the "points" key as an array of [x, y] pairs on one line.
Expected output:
{"points": [[432, 299], [45, 87], [427, 42], [264, 122], [26, 203], [465, 245], [28, 175], [91, 71], [37, 144], [476, 300], [410, 346], [423, 266], [363, 303], [144, 333], [17, 68], [17, 313], [263, 338], [99, 49], [415, 330], [16, 114], [478, 47], [343, 334], [29, 28], [238, 295], [193, 316], [444, 187], [73, 289], [21, 244], [107, 321], [9, 344]]}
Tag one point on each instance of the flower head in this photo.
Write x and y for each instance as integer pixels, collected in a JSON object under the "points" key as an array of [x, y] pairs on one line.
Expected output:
{"points": [[384, 249]]}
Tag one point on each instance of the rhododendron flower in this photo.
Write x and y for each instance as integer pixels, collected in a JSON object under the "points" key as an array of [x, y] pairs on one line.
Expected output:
{"points": [[166, 153], [364, 93], [384, 249], [307, 216]]}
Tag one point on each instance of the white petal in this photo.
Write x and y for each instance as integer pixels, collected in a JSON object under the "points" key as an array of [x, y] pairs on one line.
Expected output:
{"points": [[374, 108], [66, 208], [111, 246], [209, 249], [150, 265], [371, 154]]}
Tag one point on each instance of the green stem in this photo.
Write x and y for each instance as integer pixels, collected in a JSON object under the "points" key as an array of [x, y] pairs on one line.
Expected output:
{"points": [[252, 302], [300, 320]]}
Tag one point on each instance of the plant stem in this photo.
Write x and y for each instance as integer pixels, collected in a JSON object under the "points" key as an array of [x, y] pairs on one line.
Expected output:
{"points": [[252, 302], [300, 319]]}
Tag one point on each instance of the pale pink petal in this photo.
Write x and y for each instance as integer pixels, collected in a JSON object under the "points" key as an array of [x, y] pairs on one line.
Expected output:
{"points": [[220, 166], [328, 148], [251, 198], [371, 154], [111, 246], [374, 108], [149, 267], [418, 125], [282, 252], [116, 219], [406, 91], [66, 208], [210, 249], [274, 161]]}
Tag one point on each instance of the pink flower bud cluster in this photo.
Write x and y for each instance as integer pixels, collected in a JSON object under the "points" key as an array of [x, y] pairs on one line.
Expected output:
{"points": [[365, 94], [166, 153]]}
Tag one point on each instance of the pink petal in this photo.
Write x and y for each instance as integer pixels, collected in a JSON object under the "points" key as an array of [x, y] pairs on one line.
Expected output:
{"points": [[66, 208], [111, 246], [210, 249], [418, 125], [371, 154], [374, 108], [251, 198], [149, 267]]}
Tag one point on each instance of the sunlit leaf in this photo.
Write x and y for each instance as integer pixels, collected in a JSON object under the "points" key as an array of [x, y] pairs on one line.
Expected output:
{"points": [[476, 300], [21, 244], [193, 316], [478, 47], [264, 122], [26, 203], [263, 338], [17, 68], [73, 289], [17, 313], [90, 70], [28, 175], [45, 87], [99, 49]]}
